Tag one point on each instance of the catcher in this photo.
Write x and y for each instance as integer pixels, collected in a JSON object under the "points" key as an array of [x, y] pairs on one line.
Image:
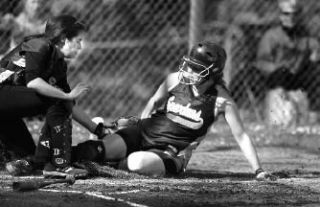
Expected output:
{"points": [[175, 120], [43, 62]]}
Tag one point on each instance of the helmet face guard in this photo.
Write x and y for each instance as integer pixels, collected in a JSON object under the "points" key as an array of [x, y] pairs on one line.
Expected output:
{"points": [[205, 60], [191, 72]]}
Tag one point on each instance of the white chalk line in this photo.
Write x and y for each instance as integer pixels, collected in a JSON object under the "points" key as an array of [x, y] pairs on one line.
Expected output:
{"points": [[99, 195]]}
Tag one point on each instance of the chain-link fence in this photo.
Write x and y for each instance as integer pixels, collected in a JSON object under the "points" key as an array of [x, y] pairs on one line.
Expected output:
{"points": [[133, 44]]}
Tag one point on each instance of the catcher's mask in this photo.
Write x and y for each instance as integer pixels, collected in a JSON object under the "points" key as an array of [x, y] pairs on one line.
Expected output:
{"points": [[205, 59]]}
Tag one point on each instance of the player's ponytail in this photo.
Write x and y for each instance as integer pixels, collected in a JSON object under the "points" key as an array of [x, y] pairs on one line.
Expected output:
{"points": [[63, 26]]}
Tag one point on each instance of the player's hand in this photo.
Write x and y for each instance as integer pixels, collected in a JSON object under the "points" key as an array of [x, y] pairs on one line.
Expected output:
{"points": [[102, 130], [261, 175], [125, 121], [77, 91], [187, 153]]}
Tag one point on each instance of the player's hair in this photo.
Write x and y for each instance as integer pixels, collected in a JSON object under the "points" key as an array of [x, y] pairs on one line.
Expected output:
{"points": [[63, 26]]}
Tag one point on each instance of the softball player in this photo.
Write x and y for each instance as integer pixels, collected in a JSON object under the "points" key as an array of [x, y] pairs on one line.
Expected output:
{"points": [[176, 119], [288, 57], [45, 89]]}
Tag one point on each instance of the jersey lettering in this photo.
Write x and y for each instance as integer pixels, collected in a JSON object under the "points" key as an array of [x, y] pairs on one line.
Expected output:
{"points": [[186, 115]]}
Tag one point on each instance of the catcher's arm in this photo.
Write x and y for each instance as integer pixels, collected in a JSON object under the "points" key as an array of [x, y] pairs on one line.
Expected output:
{"points": [[82, 118], [159, 96]]}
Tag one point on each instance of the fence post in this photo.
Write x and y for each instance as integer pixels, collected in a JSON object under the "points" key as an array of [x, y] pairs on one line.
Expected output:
{"points": [[196, 21]]}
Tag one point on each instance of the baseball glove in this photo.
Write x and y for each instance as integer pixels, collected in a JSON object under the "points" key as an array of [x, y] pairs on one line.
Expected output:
{"points": [[104, 129], [124, 122]]}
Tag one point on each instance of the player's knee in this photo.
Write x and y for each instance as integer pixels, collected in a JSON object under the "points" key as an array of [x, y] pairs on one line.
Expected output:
{"points": [[89, 150], [146, 163]]}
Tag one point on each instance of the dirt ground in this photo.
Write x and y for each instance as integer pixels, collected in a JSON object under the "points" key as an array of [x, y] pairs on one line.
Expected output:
{"points": [[217, 175]]}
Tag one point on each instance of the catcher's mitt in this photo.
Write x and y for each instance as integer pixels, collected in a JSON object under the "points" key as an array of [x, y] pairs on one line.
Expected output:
{"points": [[104, 129], [124, 122]]}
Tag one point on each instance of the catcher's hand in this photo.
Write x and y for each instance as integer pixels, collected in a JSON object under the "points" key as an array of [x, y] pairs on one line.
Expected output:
{"points": [[261, 175]]}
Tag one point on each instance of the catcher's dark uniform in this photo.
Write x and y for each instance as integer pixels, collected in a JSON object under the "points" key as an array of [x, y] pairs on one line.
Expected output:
{"points": [[182, 119], [43, 60]]}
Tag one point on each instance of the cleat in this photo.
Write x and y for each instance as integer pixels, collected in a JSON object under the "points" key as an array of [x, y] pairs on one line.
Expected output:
{"points": [[19, 167]]}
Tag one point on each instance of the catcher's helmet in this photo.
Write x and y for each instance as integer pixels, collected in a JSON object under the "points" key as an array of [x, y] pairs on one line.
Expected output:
{"points": [[206, 59]]}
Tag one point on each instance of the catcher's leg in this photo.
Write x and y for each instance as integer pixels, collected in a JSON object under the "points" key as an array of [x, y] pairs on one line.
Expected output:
{"points": [[42, 154], [17, 138]]}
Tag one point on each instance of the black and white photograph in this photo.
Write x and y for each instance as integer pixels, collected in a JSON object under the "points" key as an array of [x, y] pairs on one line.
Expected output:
{"points": [[159, 103]]}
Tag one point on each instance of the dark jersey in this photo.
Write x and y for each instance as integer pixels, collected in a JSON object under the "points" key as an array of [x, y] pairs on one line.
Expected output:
{"points": [[279, 46], [183, 119], [44, 60]]}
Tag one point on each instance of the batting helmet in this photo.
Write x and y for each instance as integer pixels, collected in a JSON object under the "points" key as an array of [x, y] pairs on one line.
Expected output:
{"points": [[206, 59]]}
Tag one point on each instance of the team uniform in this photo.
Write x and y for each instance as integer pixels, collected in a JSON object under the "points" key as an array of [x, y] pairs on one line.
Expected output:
{"points": [[55, 138], [182, 120], [288, 58], [175, 120], [43, 60], [290, 51]]}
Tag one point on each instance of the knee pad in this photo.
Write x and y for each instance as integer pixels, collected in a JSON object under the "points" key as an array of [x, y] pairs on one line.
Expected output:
{"points": [[89, 151]]}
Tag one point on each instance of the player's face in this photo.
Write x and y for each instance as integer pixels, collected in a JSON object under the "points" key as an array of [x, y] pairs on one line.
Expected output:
{"points": [[192, 73], [32, 6], [288, 19], [72, 47]]}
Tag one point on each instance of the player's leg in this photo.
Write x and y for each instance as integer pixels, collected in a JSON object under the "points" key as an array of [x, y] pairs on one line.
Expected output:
{"points": [[42, 154], [19, 101], [154, 162], [30, 164], [114, 147], [17, 138], [144, 162], [59, 123]]}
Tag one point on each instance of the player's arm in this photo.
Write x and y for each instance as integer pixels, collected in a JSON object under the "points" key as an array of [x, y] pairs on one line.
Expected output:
{"points": [[36, 65], [45, 89], [158, 97], [99, 129], [82, 118], [265, 54], [234, 121], [315, 50]]}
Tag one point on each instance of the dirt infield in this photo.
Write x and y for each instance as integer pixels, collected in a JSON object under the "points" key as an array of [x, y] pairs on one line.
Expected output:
{"points": [[218, 175]]}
